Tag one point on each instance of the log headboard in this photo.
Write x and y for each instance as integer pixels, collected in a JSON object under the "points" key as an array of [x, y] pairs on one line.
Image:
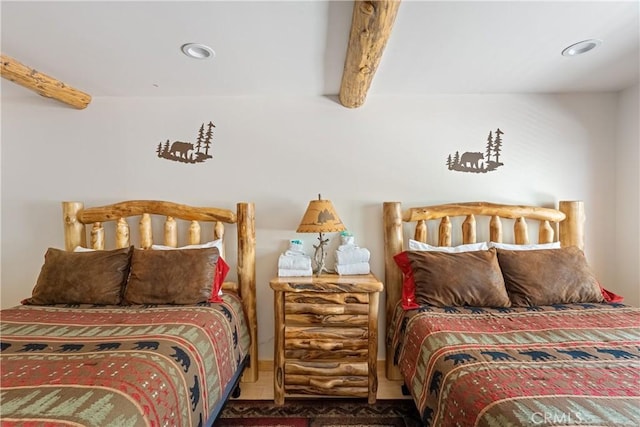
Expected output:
{"points": [[80, 221], [565, 224]]}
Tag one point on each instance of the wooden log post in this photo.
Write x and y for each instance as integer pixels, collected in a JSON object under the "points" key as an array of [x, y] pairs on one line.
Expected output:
{"points": [[393, 237], [194, 233], [122, 234], [74, 232], [97, 236], [42, 84], [170, 232], [495, 229], [246, 280], [371, 26], [520, 232], [572, 228], [444, 232], [469, 229], [146, 234], [421, 231]]}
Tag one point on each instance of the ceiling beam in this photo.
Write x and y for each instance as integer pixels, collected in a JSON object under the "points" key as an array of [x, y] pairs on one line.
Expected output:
{"points": [[42, 84], [371, 26]]}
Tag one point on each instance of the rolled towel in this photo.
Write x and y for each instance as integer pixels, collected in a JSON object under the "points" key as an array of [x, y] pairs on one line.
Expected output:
{"points": [[285, 272], [347, 239], [294, 262], [358, 268], [352, 256]]}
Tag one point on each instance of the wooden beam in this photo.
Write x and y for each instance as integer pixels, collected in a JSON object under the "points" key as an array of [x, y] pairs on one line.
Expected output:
{"points": [[371, 26], [42, 84]]}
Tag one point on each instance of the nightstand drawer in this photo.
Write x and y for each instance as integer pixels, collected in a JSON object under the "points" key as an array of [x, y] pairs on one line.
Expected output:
{"points": [[338, 298], [332, 379], [326, 343]]}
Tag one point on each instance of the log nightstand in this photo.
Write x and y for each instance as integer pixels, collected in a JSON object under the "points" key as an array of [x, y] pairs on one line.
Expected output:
{"points": [[326, 336]]}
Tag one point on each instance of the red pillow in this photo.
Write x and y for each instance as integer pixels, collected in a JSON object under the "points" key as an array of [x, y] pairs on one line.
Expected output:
{"points": [[408, 282], [610, 296], [222, 269]]}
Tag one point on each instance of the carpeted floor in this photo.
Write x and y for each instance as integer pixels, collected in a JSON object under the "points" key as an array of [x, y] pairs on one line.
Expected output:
{"points": [[330, 412]]}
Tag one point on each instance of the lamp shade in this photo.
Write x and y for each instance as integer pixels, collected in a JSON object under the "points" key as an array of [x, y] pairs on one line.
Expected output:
{"points": [[320, 217]]}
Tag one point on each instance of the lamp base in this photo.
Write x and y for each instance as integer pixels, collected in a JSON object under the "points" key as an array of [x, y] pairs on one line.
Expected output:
{"points": [[320, 256]]}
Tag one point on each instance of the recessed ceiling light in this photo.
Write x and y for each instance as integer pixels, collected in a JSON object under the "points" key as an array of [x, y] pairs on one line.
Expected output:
{"points": [[198, 51], [581, 47]]}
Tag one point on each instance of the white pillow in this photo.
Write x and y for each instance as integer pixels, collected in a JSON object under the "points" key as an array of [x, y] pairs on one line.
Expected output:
{"points": [[531, 247], [82, 249], [211, 244], [415, 245]]}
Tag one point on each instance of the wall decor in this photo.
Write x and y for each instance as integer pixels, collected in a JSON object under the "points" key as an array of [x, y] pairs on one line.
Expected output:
{"points": [[188, 152], [479, 162]]}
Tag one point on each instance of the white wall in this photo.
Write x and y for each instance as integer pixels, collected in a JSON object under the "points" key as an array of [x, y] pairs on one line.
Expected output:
{"points": [[627, 246], [281, 152]]}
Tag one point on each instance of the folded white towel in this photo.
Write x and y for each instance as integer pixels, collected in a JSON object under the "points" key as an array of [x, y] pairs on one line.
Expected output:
{"points": [[359, 268], [289, 252], [284, 272], [294, 262], [352, 256]]}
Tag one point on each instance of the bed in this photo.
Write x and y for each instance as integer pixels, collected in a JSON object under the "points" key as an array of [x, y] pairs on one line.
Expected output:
{"points": [[505, 328], [116, 334]]}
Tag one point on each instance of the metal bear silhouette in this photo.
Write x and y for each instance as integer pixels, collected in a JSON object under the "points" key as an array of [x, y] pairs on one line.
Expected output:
{"points": [[188, 152], [476, 161]]}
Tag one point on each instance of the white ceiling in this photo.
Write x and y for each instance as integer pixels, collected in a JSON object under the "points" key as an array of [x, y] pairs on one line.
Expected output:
{"points": [[284, 48]]}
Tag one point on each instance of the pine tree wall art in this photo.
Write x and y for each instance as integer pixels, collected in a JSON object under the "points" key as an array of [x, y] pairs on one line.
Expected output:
{"points": [[189, 152], [479, 161]]}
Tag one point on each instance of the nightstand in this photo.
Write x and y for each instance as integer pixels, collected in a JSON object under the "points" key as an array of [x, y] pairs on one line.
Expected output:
{"points": [[326, 336]]}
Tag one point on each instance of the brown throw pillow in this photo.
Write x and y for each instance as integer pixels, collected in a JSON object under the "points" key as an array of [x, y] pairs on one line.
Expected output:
{"points": [[548, 276], [182, 276], [453, 279], [96, 277]]}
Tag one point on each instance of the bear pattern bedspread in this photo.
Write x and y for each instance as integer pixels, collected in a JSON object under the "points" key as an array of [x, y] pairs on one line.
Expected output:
{"points": [[569, 364], [117, 365]]}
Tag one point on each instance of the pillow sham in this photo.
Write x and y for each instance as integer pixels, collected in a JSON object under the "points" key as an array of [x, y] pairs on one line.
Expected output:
{"points": [[222, 268], [96, 277], [548, 276], [181, 276], [536, 246], [415, 245], [451, 279]]}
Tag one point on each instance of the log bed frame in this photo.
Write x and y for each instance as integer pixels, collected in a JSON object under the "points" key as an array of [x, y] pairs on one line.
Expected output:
{"points": [[566, 222], [77, 220]]}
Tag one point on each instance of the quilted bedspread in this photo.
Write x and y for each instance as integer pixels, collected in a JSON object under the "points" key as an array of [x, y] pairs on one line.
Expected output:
{"points": [[118, 366], [573, 364]]}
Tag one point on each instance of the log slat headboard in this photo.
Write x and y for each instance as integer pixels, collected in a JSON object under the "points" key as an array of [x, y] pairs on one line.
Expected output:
{"points": [[565, 224], [77, 220]]}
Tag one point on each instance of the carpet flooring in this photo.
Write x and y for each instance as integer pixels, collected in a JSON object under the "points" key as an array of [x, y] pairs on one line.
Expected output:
{"points": [[330, 412]]}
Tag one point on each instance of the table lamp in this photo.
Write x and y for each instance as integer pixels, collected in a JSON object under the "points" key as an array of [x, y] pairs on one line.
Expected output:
{"points": [[320, 217]]}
